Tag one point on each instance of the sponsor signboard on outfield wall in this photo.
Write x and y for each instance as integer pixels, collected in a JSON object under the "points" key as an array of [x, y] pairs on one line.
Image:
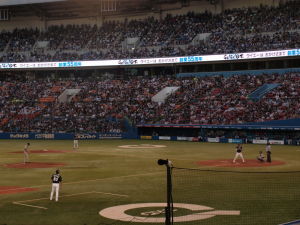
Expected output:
{"points": [[153, 61], [276, 142], [235, 140], [164, 138], [259, 141], [44, 136], [214, 140], [86, 136], [19, 136], [146, 137], [272, 142], [61, 136], [182, 138], [110, 136]]}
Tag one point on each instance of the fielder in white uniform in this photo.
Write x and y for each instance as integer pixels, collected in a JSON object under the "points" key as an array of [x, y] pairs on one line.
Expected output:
{"points": [[75, 144], [239, 149], [26, 153], [56, 182]]}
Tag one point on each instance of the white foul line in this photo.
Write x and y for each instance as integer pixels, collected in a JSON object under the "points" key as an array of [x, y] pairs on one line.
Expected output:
{"points": [[83, 193], [34, 206], [85, 181]]}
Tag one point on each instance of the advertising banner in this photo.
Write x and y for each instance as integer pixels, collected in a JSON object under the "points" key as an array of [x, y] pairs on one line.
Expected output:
{"points": [[276, 142], [213, 140], [153, 61], [272, 142], [146, 137], [256, 141], [182, 139], [235, 140], [110, 135], [61, 136], [164, 138]]}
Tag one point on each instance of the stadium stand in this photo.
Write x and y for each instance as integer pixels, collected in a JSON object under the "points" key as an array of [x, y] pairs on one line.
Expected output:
{"points": [[32, 105], [234, 30], [102, 106]]}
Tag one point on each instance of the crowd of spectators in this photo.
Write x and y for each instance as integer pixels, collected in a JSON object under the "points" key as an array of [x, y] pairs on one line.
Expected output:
{"points": [[211, 100], [234, 30], [23, 40], [103, 106], [4, 39]]}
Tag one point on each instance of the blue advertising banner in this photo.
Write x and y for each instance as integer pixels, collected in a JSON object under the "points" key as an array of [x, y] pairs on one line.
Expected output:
{"points": [[235, 141]]}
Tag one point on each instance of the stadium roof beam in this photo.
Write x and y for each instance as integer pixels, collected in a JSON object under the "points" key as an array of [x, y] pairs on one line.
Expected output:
{"points": [[69, 9], [25, 2]]}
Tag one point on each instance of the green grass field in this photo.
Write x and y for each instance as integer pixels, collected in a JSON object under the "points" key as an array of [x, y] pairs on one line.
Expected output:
{"points": [[101, 175]]}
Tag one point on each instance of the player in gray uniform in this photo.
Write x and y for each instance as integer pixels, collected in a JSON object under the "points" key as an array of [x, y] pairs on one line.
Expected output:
{"points": [[56, 182], [75, 143], [268, 151], [26, 153]]}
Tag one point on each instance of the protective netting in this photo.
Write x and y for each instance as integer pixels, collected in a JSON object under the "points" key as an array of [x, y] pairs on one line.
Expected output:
{"points": [[235, 198]]}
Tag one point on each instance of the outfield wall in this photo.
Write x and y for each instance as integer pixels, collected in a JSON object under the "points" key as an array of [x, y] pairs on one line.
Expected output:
{"points": [[217, 140], [102, 136], [276, 132], [62, 136]]}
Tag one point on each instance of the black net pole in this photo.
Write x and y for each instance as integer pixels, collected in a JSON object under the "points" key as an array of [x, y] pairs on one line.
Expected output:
{"points": [[169, 208]]}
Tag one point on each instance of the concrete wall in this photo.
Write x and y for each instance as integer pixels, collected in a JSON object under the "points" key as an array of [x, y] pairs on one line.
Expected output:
{"points": [[90, 20], [195, 6], [22, 22], [229, 4]]}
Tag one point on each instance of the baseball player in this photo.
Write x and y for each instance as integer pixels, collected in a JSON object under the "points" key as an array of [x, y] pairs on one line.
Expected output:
{"points": [[75, 143], [268, 151], [261, 157], [56, 182], [26, 153], [239, 149]]}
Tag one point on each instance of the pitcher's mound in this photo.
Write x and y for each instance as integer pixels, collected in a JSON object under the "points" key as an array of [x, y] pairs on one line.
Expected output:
{"points": [[238, 163], [33, 165]]}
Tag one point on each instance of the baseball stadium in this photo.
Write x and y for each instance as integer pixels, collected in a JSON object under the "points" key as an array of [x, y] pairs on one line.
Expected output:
{"points": [[148, 112]]}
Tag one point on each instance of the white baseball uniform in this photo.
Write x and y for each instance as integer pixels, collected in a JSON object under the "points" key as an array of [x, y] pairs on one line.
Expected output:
{"points": [[75, 144], [26, 153]]}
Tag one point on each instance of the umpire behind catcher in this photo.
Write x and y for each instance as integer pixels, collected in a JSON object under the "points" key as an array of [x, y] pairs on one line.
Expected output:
{"points": [[268, 151], [56, 180]]}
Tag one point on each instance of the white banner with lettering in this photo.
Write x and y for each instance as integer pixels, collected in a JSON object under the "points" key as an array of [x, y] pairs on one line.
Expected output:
{"points": [[153, 61]]}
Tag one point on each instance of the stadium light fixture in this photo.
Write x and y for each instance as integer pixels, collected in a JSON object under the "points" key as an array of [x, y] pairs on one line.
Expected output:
{"points": [[164, 162]]}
